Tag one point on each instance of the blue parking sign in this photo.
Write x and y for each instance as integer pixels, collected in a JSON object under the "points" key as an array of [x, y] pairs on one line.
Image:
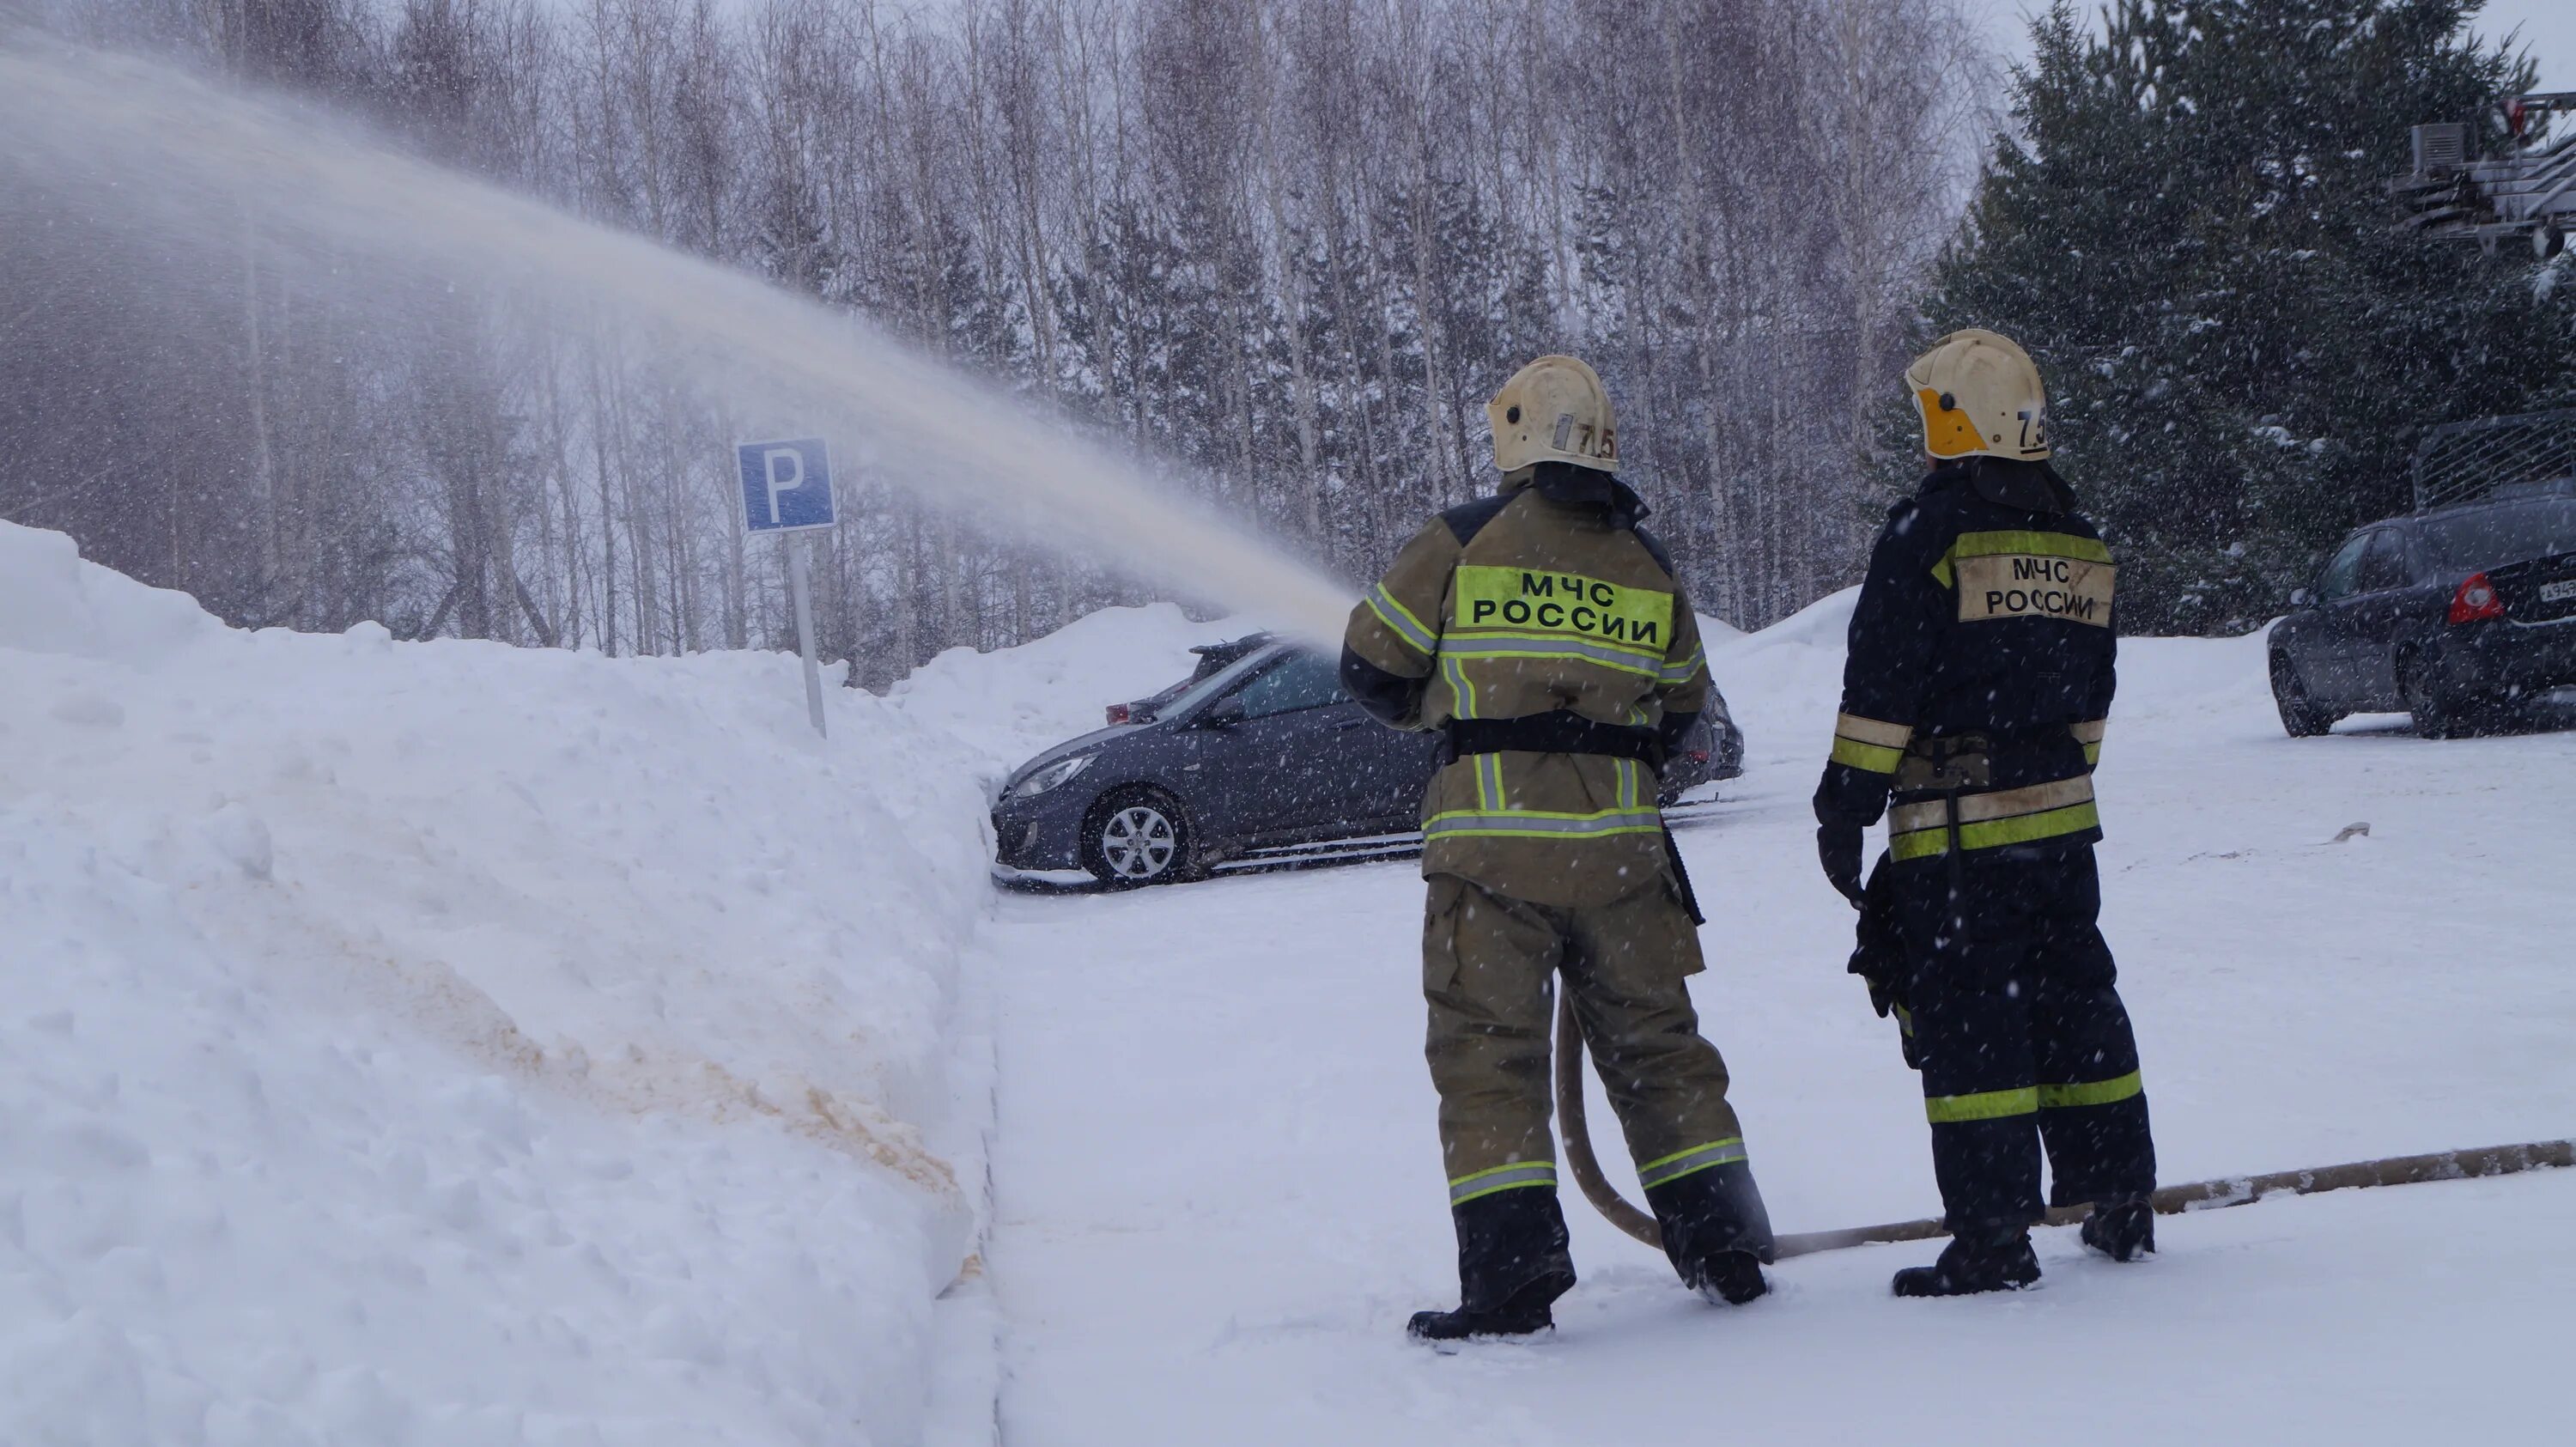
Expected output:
{"points": [[786, 486]]}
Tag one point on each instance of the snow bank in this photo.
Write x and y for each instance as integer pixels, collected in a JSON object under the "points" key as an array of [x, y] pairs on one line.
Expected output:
{"points": [[1008, 705], [452, 1043]]}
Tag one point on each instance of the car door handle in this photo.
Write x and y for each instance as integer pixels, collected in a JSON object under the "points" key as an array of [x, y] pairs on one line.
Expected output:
{"points": [[1348, 723]]}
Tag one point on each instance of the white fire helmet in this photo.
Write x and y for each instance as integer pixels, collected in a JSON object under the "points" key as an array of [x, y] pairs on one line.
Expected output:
{"points": [[1553, 410], [1980, 395]]}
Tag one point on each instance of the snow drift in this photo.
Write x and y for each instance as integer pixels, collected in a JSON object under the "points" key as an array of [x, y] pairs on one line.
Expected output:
{"points": [[452, 1043]]}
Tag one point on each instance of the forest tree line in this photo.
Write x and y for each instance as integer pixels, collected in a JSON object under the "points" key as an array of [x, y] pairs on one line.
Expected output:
{"points": [[1291, 246]]}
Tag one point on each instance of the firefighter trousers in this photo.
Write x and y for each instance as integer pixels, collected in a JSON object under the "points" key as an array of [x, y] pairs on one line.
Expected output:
{"points": [[1490, 963], [2022, 1038]]}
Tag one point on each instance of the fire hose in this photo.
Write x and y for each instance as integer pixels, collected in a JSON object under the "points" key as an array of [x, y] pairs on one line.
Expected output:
{"points": [[2207, 1195]]}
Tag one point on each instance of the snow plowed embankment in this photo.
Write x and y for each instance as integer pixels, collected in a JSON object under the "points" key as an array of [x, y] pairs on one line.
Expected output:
{"points": [[453, 1043]]}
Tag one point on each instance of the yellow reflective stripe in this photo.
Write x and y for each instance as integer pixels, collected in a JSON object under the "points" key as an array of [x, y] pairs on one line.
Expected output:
{"points": [[1462, 692], [1668, 1169], [1454, 647], [1984, 1105], [1999, 833], [1993, 804], [1489, 782], [1540, 824], [1521, 1175], [1524, 814], [1871, 744], [1873, 731], [1687, 669], [1452, 831], [1871, 757], [2030, 828], [1904, 1018], [2000, 544], [2096, 1092], [2047, 545], [2090, 736], [1464, 634], [1401, 621]]}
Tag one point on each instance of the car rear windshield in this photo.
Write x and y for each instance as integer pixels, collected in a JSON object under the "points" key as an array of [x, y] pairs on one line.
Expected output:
{"points": [[2492, 537], [1182, 697]]}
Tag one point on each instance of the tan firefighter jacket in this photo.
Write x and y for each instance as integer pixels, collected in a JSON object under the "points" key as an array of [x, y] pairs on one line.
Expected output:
{"points": [[1545, 598]]}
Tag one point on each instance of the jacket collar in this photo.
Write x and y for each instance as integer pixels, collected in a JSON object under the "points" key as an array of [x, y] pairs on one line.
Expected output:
{"points": [[2023, 486], [1571, 486]]}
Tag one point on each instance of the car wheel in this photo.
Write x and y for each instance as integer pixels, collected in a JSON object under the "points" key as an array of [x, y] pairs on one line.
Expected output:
{"points": [[1136, 837], [2436, 717], [2301, 716]]}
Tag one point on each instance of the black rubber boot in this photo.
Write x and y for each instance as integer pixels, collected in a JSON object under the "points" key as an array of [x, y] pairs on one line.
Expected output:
{"points": [[1730, 1277], [1969, 1267], [2121, 1230], [1716, 1233], [1512, 1266], [1524, 1313]]}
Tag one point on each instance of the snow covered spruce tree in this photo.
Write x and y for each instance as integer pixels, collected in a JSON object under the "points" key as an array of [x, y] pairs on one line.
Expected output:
{"points": [[2189, 225]]}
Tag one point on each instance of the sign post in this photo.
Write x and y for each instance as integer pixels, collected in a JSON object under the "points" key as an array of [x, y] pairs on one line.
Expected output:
{"points": [[787, 489]]}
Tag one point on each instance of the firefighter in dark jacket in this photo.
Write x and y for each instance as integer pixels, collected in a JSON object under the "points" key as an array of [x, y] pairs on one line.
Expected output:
{"points": [[1973, 704], [1543, 633]]}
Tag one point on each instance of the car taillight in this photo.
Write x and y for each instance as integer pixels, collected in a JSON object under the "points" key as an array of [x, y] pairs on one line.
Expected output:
{"points": [[1117, 713], [2475, 602], [1699, 756]]}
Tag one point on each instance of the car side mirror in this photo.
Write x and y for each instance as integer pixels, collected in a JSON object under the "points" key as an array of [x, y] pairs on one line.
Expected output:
{"points": [[1225, 713], [2302, 598]]}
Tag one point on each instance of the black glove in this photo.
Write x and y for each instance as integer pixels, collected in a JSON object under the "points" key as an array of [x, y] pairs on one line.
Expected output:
{"points": [[1838, 847], [1878, 955]]}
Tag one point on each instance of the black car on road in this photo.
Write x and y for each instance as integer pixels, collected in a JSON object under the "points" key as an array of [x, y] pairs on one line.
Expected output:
{"points": [[1258, 752], [2457, 616]]}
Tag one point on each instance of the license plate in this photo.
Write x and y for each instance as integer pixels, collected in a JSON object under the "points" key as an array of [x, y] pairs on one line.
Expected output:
{"points": [[2558, 592]]}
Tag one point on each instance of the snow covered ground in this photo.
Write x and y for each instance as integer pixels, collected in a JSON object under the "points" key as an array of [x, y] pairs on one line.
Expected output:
{"points": [[451, 1043], [1218, 1193], [447, 1043]]}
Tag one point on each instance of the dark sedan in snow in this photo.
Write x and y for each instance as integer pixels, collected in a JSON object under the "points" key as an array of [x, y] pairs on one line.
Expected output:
{"points": [[2456, 616], [1258, 757]]}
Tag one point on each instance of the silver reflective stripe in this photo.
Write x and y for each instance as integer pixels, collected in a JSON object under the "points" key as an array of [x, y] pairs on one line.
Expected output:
{"points": [[2000, 804], [1394, 615], [1462, 693], [1607, 657], [1681, 672], [1507, 1178], [1698, 1158], [1479, 821]]}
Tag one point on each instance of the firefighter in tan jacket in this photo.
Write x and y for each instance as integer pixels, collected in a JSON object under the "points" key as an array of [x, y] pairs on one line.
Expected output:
{"points": [[1544, 634]]}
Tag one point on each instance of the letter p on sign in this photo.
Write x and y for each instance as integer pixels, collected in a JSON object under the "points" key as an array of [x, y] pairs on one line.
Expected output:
{"points": [[786, 485]]}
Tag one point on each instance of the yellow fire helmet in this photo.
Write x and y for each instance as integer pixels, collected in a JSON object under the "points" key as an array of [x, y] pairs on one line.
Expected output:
{"points": [[1553, 410], [1980, 395]]}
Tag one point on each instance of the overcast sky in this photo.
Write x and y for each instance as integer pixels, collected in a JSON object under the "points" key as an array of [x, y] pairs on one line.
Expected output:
{"points": [[2548, 27]]}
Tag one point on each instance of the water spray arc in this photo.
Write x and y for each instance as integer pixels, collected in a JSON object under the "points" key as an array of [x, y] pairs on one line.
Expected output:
{"points": [[133, 137]]}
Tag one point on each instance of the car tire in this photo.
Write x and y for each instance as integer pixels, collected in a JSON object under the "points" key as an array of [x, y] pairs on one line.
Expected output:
{"points": [[1136, 837], [2302, 717], [2436, 717]]}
